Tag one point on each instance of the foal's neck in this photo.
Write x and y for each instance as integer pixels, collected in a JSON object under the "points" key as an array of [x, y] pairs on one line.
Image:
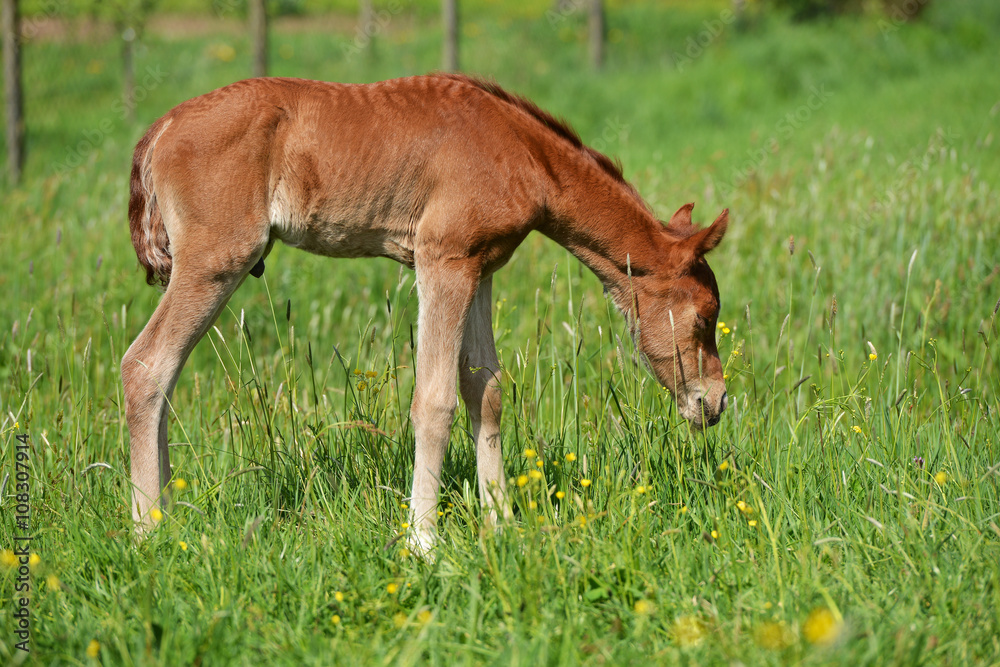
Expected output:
{"points": [[603, 221]]}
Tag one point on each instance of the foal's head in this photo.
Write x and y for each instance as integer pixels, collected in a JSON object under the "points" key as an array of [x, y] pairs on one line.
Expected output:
{"points": [[678, 310]]}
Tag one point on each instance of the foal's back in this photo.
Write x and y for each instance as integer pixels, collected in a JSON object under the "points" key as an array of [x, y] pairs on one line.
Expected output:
{"points": [[353, 170]]}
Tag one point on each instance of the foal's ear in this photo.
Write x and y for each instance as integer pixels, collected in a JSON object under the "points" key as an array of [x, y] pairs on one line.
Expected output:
{"points": [[682, 218], [705, 240]]}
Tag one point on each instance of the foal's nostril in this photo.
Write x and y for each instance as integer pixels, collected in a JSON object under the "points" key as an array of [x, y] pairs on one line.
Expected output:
{"points": [[724, 403]]}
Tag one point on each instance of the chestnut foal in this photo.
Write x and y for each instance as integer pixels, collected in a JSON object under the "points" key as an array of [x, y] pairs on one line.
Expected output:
{"points": [[443, 173]]}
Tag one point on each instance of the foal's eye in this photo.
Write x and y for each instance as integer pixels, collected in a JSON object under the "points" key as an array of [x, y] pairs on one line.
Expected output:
{"points": [[701, 322]]}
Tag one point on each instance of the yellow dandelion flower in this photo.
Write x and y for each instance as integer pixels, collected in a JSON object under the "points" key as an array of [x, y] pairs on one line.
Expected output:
{"points": [[715, 534], [183, 545], [529, 453], [156, 514], [404, 553], [358, 372], [52, 583], [539, 463], [773, 635], [571, 457], [399, 619], [404, 525], [644, 607], [724, 466], [34, 560], [180, 484], [93, 648], [941, 478], [684, 509], [821, 627], [535, 474], [872, 356], [560, 494], [392, 588], [522, 480], [440, 513], [721, 325], [743, 507], [582, 520], [425, 616], [335, 619], [541, 518], [338, 596], [404, 506], [584, 482], [725, 330], [362, 385], [640, 490], [856, 428], [532, 505], [688, 631], [7, 558], [371, 374], [752, 523]]}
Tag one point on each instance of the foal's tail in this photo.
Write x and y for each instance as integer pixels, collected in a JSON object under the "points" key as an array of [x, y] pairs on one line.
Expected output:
{"points": [[149, 236]]}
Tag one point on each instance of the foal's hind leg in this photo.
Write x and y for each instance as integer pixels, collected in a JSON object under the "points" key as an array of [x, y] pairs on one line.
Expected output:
{"points": [[205, 274], [478, 373]]}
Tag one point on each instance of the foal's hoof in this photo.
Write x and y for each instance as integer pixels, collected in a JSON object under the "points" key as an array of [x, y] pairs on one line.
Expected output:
{"points": [[421, 542]]}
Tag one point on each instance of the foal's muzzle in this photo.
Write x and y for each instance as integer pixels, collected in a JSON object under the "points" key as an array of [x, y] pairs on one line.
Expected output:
{"points": [[703, 406]]}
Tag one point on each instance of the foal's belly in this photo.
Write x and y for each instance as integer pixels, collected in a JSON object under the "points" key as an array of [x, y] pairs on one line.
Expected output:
{"points": [[351, 229]]}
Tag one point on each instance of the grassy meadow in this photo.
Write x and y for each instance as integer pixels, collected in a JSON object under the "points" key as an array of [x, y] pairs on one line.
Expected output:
{"points": [[845, 510]]}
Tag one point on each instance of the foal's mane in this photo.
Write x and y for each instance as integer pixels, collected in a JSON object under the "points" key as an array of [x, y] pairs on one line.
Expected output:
{"points": [[556, 125]]}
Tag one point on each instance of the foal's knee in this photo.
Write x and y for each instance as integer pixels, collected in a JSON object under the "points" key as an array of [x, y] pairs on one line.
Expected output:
{"points": [[433, 412]]}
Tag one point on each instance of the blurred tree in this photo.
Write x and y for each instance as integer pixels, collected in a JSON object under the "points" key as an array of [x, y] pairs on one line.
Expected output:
{"points": [[366, 16], [258, 35], [597, 33], [129, 18], [12, 88], [367, 28], [449, 59]]}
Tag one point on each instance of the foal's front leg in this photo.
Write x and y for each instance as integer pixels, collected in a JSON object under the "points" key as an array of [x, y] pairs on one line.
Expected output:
{"points": [[444, 291]]}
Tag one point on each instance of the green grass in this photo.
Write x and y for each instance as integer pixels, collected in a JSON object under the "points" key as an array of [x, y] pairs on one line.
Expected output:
{"points": [[873, 483]]}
